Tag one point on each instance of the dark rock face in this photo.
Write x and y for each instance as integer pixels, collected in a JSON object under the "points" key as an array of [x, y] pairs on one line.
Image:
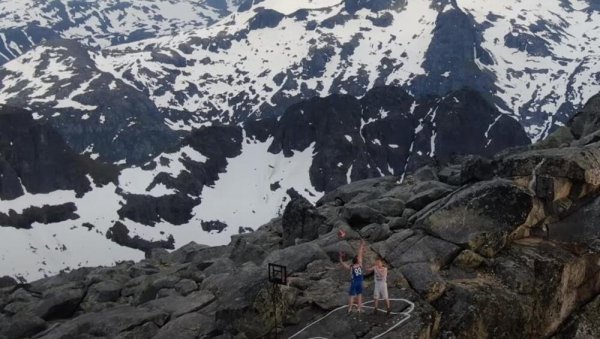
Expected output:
{"points": [[59, 302], [301, 221], [427, 192], [45, 215], [23, 327], [213, 225], [530, 43], [388, 132], [325, 122], [375, 232], [37, 157], [354, 5], [360, 190], [148, 210], [359, 216], [587, 121], [7, 281], [468, 110], [579, 227], [120, 235], [266, 18], [104, 291], [450, 59]]}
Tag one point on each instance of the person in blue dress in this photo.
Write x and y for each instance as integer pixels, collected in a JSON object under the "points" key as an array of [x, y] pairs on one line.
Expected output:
{"points": [[356, 279]]}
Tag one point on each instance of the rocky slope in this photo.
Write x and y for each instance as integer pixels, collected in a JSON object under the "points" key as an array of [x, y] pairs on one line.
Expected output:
{"points": [[35, 159], [503, 247]]}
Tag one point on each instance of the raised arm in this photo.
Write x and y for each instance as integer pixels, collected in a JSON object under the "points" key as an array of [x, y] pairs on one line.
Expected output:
{"points": [[361, 251], [344, 265]]}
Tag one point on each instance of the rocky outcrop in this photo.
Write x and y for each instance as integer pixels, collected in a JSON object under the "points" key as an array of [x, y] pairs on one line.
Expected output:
{"points": [[148, 210], [587, 121], [458, 267], [213, 225], [479, 217], [119, 233], [44, 215], [301, 222]]}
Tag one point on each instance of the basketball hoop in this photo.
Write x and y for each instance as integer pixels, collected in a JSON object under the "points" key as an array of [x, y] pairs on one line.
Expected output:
{"points": [[277, 277], [277, 274]]}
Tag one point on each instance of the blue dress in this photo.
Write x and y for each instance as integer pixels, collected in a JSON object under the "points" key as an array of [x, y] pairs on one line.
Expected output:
{"points": [[356, 284]]}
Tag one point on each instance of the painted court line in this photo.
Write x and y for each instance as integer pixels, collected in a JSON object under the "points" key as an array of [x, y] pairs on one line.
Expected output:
{"points": [[406, 313]]}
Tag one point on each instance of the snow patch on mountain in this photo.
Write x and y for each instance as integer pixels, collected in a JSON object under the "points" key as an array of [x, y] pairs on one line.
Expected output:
{"points": [[250, 193], [254, 187], [136, 180], [48, 249]]}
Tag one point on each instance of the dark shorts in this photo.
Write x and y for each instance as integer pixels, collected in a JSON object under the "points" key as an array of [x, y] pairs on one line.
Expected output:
{"points": [[356, 287]]}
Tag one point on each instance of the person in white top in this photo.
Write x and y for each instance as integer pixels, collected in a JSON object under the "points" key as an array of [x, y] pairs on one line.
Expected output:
{"points": [[381, 290]]}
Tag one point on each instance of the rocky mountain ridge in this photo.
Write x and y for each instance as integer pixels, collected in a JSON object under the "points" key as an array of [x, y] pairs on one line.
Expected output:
{"points": [[505, 247], [314, 147]]}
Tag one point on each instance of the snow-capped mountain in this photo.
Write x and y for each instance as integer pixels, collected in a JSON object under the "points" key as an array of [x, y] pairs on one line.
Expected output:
{"points": [[534, 61], [207, 130], [97, 24]]}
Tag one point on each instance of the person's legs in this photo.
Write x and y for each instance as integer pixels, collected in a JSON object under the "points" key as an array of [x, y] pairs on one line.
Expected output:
{"points": [[359, 302], [384, 294], [376, 296], [351, 298], [359, 291], [354, 292]]}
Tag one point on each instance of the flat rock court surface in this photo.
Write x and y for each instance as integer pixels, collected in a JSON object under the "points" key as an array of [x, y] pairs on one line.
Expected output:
{"points": [[339, 324]]}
